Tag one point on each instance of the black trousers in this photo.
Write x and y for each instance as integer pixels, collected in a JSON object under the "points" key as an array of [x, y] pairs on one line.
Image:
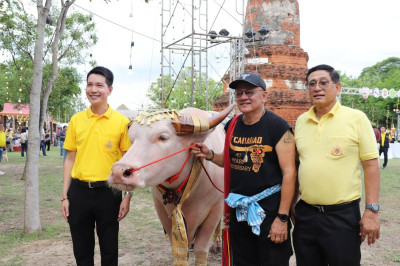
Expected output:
{"points": [[48, 144], [385, 155], [327, 238], [92, 208], [249, 249]]}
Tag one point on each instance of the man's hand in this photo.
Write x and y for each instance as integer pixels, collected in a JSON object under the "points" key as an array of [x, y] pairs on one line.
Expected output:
{"points": [[201, 151], [278, 232], [65, 209], [369, 226], [124, 207]]}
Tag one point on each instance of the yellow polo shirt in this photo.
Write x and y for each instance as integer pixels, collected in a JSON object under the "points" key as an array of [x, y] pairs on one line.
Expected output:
{"points": [[98, 142], [383, 136], [2, 139], [330, 151]]}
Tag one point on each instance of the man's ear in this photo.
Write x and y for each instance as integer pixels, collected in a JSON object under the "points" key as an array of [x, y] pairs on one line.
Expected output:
{"points": [[338, 88]]}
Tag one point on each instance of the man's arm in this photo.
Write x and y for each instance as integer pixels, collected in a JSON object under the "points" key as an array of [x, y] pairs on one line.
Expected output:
{"points": [[369, 224], [126, 201], [285, 150], [296, 190], [68, 164]]}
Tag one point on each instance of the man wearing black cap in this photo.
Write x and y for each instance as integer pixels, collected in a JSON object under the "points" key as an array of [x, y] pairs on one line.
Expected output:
{"points": [[259, 164]]}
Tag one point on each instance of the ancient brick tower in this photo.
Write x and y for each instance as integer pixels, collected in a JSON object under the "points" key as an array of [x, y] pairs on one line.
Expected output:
{"points": [[278, 58]]}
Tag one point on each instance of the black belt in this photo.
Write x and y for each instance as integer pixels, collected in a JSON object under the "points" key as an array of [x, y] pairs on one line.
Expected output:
{"points": [[327, 208], [95, 184]]}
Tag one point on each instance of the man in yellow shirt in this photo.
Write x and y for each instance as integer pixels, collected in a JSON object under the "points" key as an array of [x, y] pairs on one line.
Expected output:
{"points": [[384, 145], [2, 140], [331, 140], [95, 140]]}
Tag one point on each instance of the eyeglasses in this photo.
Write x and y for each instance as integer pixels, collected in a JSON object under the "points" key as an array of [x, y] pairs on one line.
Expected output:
{"points": [[248, 93], [324, 84]]}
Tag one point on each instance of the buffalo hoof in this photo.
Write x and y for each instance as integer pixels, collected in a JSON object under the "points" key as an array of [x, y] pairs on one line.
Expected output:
{"points": [[216, 247]]}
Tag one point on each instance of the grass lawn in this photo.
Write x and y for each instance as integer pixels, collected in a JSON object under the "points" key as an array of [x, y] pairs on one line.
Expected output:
{"points": [[141, 235]]}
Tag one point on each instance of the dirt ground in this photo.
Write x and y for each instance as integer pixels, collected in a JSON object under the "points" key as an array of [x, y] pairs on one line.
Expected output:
{"points": [[153, 249], [142, 241]]}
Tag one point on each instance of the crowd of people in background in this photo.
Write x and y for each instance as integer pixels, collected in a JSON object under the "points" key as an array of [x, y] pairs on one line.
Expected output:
{"points": [[17, 140]]}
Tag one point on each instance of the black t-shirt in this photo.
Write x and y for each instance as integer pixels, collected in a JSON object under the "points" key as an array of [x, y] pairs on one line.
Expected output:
{"points": [[254, 162]]}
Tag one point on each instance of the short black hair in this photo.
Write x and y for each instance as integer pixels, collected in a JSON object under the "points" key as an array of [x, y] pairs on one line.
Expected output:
{"points": [[332, 72], [104, 72], [23, 130]]}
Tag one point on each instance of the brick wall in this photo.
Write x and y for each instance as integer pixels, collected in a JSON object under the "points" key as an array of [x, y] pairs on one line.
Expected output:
{"points": [[284, 64]]}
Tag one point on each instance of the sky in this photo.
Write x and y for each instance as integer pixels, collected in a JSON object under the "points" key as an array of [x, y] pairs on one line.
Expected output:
{"points": [[348, 35]]}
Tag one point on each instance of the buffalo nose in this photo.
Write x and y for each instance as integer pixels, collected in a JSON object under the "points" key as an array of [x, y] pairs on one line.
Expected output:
{"points": [[127, 173]]}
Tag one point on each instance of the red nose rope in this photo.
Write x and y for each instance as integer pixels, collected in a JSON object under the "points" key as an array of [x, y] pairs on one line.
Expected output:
{"points": [[174, 177]]}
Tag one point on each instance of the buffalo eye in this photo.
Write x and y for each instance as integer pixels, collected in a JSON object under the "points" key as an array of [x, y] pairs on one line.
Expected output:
{"points": [[163, 137]]}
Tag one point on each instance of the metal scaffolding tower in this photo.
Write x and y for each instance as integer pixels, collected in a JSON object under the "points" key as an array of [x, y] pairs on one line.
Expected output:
{"points": [[194, 47]]}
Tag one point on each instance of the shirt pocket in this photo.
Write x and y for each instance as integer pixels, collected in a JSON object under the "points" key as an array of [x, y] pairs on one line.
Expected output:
{"points": [[110, 143], [337, 147]]}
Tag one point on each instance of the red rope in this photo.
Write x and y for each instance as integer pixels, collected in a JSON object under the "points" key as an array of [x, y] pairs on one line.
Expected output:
{"points": [[209, 178], [176, 176], [136, 169], [173, 178]]}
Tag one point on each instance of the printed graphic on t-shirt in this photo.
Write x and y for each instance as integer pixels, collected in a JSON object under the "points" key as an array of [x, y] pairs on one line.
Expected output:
{"points": [[255, 150]]}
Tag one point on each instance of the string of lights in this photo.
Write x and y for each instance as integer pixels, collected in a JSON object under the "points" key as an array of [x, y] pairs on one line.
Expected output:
{"points": [[116, 24]]}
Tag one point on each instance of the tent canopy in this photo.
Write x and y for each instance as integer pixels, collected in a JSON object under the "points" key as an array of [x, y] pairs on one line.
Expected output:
{"points": [[15, 109]]}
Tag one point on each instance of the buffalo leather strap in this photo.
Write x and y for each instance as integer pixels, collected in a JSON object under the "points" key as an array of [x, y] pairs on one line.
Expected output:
{"points": [[179, 239], [226, 237]]}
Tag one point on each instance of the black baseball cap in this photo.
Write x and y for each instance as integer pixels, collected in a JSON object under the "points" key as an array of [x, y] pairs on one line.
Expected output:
{"points": [[249, 77]]}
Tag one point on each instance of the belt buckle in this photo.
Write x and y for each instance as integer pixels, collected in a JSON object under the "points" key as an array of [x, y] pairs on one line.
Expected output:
{"points": [[90, 185], [320, 208]]}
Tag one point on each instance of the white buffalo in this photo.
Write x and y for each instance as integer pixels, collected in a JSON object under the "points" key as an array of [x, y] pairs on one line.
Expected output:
{"points": [[188, 204]]}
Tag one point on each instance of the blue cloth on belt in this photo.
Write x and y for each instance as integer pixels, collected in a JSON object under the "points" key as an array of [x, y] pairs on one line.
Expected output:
{"points": [[247, 208]]}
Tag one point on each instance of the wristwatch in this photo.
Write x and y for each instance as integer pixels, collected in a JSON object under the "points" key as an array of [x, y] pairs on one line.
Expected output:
{"points": [[283, 217], [373, 207], [130, 193]]}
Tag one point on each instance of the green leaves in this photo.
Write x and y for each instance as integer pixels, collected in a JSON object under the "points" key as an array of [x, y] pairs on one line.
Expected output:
{"points": [[18, 36], [384, 74], [178, 92]]}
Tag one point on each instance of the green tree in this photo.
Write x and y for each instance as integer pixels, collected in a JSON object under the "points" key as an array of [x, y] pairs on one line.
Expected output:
{"points": [[72, 49], [46, 46], [178, 92], [384, 74]]}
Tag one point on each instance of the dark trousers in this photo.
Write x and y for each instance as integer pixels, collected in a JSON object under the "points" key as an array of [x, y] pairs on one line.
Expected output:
{"points": [[43, 147], [385, 155], [327, 238], [24, 147], [48, 144], [92, 208], [249, 249]]}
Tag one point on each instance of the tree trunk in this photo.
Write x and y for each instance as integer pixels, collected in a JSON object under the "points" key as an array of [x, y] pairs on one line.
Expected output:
{"points": [[32, 219], [54, 64]]}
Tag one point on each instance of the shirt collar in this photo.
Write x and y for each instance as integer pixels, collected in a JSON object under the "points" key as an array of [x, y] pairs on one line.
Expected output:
{"points": [[311, 113], [107, 114]]}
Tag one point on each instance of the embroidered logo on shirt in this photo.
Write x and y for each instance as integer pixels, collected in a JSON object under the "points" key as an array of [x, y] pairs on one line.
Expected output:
{"points": [[109, 145], [337, 150]]}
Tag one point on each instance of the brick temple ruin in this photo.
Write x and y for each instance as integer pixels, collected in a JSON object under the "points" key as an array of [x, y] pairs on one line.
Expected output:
{"points": [[278, 58]]}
